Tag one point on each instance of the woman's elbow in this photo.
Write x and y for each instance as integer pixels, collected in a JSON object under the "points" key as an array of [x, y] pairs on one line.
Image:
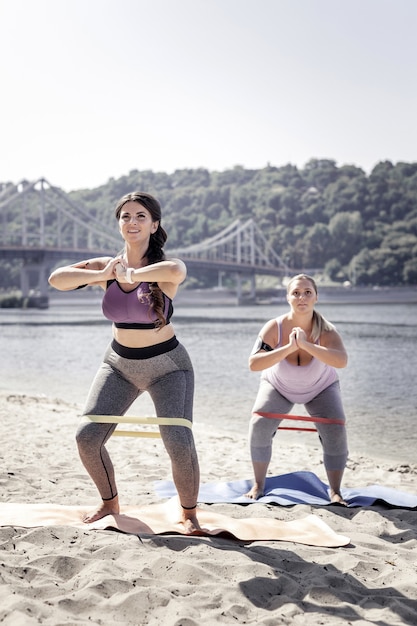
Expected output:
{"points": [[178, 271], [254, 365], [55, 282], [342, 361], [52, 280]]}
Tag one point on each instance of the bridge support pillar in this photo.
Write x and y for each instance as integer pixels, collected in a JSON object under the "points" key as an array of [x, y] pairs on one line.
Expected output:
{"points": [[41, 288], [43, 279], [253, 287], [239, 288], [24, 281], [239, 291]]}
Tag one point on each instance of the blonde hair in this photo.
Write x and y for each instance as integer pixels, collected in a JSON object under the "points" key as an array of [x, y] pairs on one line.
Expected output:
{"points": [[320, 324]]}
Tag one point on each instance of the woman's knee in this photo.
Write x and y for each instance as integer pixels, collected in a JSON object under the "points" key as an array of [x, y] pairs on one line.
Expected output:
{"points": [[90, 435], [333, 439], [83, 437], [178, 441], [262, 431]]}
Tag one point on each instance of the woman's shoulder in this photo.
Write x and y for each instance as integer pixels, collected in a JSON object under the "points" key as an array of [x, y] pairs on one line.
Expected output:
{"points": [[272, 325], [329, 337], [283, 320], [275, 321]]}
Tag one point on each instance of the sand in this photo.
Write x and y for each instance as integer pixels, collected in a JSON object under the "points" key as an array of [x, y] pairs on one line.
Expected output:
{"points": [[55, 575]]}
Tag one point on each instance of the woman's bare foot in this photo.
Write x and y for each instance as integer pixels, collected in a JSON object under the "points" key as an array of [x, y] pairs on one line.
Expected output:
{"points": [[189, 521], [107, 507], [255, 493], [336, 498]]}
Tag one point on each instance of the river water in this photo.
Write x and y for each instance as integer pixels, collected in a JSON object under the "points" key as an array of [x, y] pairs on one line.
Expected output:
{"points": [[56, 352]]}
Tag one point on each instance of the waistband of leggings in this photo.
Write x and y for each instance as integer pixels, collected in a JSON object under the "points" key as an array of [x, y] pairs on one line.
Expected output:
{"points": [[145, 353]]}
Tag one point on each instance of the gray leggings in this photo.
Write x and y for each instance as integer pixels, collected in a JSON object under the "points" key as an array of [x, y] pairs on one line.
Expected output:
{"points": [[328, 403], [169, 379]]}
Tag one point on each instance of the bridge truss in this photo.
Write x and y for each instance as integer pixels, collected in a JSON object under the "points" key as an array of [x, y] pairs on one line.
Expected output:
{"points": [[240, 247], [59, 229], [57, 224]]}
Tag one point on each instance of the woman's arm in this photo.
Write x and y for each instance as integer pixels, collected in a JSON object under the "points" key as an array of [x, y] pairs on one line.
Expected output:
{"points": [[90, 272], [261, 359], [167, 274], [330, 351]]}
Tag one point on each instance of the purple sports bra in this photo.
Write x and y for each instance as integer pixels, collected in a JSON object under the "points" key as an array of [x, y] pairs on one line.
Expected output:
{"points": [[132, 309]]}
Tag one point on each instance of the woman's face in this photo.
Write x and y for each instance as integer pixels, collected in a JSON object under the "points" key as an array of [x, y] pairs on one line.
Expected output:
{"points": [[301, 295], [136, 223]]}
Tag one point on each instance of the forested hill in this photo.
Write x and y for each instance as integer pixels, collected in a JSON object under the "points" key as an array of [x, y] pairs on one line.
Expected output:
{"points": [[355, 225], [339, 218]]}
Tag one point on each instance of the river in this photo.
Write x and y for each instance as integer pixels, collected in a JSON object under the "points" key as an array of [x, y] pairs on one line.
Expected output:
{"points": [[55, 352]]}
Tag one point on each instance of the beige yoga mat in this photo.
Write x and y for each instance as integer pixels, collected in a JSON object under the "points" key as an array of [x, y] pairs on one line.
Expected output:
{"points": [[162, 518]]}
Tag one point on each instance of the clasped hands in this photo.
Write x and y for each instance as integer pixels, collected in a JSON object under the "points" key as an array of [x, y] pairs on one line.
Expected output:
{"points": [[122, 273], [298, 336]]}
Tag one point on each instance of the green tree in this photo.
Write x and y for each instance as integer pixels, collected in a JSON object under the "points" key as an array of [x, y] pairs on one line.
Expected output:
{"points": [[316, 245], [346, 235], [320, 173]]}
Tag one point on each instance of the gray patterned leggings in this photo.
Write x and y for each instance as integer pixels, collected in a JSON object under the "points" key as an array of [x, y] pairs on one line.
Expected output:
{"points": [[169, 379], [328, 403]]}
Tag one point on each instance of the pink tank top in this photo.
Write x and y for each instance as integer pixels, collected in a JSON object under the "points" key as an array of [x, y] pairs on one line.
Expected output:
{"points": [[299, 383]]}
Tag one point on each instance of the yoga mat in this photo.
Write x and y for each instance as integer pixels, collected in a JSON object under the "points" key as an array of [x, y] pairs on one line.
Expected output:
{"points": [[294, 488], [162, 519]]}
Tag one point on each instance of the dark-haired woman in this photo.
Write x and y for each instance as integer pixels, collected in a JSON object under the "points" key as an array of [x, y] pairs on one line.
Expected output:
{"points": [[298, 354], [144, 354]]}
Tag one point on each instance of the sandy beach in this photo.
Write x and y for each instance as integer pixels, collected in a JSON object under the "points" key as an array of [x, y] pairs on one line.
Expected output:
{"points": [[55, 575]]}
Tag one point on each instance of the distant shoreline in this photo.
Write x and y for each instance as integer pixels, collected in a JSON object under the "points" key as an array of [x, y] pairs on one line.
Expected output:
{"points": [[327, 295], [227, 297]]}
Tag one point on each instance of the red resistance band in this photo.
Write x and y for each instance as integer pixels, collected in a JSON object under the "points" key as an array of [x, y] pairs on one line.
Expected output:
{"points": [[303, 418]]}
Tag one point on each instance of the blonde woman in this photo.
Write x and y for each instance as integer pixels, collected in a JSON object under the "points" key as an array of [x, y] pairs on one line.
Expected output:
{"points": [[298, 354]]}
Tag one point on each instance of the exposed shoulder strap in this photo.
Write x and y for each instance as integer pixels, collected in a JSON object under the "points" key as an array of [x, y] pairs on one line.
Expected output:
{"points": [[279, 328]]}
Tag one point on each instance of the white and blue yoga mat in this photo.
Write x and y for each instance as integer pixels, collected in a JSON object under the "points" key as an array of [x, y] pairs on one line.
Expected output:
{"points": [[294, 488]]}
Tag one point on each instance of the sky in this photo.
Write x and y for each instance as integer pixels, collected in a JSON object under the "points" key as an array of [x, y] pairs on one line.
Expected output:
{"points": [[92, 89]]}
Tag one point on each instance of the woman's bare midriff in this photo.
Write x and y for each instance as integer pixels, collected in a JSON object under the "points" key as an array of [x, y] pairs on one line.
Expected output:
{"points": [[132, 338]]}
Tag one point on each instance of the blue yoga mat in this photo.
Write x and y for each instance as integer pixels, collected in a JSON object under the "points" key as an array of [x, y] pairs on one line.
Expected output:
{"points": [[294, 488]]}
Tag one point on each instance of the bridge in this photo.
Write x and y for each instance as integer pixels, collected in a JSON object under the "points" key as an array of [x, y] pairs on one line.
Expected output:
{"points": [[61, 230]]}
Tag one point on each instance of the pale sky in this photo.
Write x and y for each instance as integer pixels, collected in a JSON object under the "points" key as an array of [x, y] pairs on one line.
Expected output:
{"points": [[92, 89]]}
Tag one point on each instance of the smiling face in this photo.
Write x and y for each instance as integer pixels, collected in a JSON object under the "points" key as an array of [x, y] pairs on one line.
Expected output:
{"points": [[136, 223], [301, 294]]}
